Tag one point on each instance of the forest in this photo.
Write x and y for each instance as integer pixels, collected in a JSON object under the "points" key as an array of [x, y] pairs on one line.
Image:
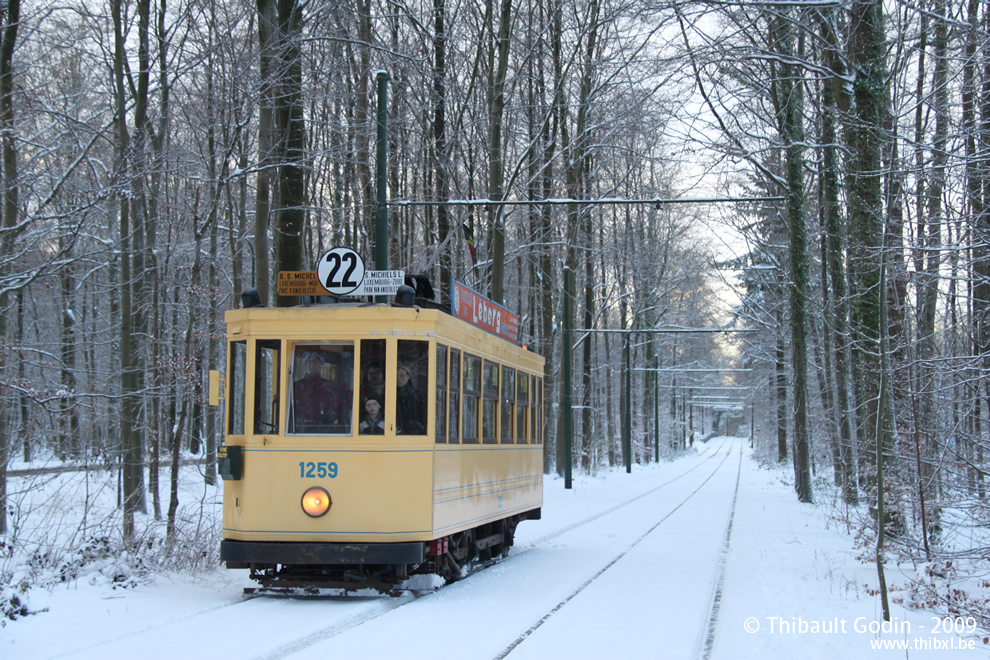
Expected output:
{"points": [[801, 255]]}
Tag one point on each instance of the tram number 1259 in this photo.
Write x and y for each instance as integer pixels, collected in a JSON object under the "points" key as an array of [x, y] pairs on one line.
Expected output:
{"points": [[317, 470]]}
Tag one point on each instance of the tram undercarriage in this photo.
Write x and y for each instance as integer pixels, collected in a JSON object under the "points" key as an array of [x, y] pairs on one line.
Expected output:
{"points": [[316, 568]]}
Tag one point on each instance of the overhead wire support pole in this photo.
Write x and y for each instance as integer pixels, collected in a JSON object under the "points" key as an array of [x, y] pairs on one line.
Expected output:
{"points": [[381, 178], [627, 413], [381, 175], [566, 403], [656, 408]]}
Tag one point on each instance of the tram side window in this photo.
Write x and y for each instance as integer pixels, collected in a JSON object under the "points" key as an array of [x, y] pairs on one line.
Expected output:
{"points": [[411, 377], [267, 366], [537, 415], [441, 402], [373, 358], [472, 398], [508, 404], [455, 396], [322, 389], [522, 406], [236, 379], [490, 404]]}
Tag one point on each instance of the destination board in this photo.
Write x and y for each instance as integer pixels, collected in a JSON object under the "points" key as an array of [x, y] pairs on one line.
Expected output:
{"points": [[300, 283], [381, 283], [469, 305], [373, 283]]}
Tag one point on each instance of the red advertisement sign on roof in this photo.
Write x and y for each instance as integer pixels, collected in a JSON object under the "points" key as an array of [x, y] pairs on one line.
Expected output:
{"points": [[469, 305]]}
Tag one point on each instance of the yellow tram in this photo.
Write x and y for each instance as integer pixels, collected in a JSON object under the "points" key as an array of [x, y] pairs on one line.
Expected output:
{"points": [[367, 442]]}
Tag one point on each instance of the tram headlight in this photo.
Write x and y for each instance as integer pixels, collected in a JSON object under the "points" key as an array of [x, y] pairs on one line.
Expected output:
{"points": [[316, 502]]}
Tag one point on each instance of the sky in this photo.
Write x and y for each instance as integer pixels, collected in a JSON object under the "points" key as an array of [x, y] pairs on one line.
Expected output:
{"points": [[707, 555]]}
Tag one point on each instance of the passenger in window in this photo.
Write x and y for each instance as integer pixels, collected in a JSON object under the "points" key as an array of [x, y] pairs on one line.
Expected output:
{"points": [[318, 403], [410, 405], [372, 423], [374, 382]]}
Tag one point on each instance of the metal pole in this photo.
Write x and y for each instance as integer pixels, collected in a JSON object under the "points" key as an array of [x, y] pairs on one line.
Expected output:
{"points": [[673, 413], [627, 413], [752, 416], [656, 407], [381, 178], [568, 421], [691, 424], [683, 421]]}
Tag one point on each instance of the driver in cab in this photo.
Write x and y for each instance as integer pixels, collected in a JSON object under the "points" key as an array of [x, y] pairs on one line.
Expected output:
{"points": [[317, 401]]}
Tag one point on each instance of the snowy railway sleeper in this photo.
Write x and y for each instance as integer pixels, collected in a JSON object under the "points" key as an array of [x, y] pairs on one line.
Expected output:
{"points": [[366, 443]]}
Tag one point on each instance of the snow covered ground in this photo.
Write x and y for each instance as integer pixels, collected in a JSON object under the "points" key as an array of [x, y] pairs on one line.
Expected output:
{"points": [[705, 556]]}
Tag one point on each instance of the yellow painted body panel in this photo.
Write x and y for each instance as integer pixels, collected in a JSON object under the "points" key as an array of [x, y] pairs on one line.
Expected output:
{"points": [[378, 495], [389, 487], [475, 484]]}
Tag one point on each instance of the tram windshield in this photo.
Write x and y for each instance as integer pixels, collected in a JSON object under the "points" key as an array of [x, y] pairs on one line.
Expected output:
{"points": [[237, 379], [321, 395]]}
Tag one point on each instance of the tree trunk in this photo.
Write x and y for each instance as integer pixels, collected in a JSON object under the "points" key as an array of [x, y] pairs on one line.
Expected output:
{"points": [[789, 108], [864, 139], [266, 147], [441, 167], [498, 67], [10, 221], [130, 439], [928, 263], [780, 389], [981, 239], [292, 139], [69, 440], [834, 239], [552, 451]]}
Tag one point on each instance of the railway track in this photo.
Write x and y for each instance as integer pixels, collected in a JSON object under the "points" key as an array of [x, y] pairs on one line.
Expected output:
{"points": [[708, 642], [257, 626], [457, 615], [709, 628], [709, 454], [246, 628]]}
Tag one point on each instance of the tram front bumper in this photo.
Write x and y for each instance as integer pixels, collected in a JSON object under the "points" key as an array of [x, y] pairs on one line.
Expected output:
{"points": [[242, 554]]}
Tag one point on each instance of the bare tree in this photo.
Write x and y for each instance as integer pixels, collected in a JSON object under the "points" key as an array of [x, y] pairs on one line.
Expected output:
{"points": [[11, 22]]}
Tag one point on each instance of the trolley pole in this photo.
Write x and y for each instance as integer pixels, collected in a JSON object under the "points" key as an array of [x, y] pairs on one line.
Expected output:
{"points": [[381, 177]]}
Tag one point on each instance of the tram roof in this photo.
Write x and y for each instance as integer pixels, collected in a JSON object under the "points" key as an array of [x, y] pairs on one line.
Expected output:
{"points": [[362, 319]]}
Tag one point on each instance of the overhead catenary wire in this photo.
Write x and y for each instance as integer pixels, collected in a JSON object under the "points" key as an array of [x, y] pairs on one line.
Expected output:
{"points": [[657, 202]]}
